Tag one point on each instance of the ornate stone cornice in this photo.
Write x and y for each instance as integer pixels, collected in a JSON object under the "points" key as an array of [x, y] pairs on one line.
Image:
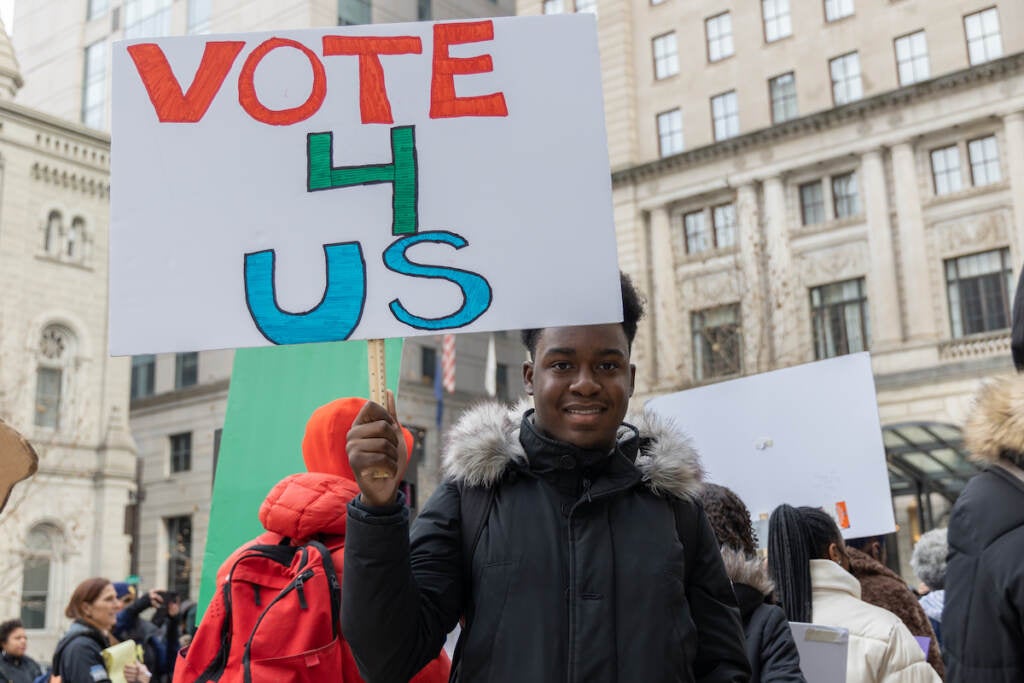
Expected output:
{"points": [[86, 183], [823, 120]]}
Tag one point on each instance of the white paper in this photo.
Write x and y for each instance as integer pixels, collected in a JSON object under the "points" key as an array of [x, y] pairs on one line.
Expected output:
{"points": [[529, 192], [806, 435], [823, 651]]}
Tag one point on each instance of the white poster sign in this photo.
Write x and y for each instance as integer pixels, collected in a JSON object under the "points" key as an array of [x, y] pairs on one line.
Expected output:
{"points": [[359, 182], [806, 435], [823, 651]]}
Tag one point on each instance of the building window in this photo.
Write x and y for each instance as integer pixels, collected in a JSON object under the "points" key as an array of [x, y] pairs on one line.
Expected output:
{"points": [[553, 7], [837, 9], [428, 364], [670, 132], [719, 35], [181, 452], [777, 23], [845, 201], [783, 93], [588, 6], [424, 10], [812, 203], [353, 12], [56, 349], [698, 238], [42, 552], [983, 40], [666, 56], [723, 218], [501, 384], [147, 18], [716, 342], [54, 231], [979, 289], [839, 318], [96, 8], [186, 369], [199, 16], [179, 555], [726, 116], [94, 85], [74, 242], [143, 375], [946, 175], [984, 157], [912, 58], [846, 85]]}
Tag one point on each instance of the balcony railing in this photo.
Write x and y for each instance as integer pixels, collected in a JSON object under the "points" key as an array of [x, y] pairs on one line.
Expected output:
{"points": [[976, 346]]}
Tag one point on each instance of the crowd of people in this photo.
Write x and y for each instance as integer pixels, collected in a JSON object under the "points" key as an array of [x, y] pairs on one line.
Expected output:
{"points": [[569, 542], [104, 613]]}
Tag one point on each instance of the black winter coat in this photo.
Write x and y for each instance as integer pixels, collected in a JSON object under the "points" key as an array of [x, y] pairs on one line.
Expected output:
{"points": [[578, 576], [770, 647], [77, 658], [982, 622], [18, 669]]}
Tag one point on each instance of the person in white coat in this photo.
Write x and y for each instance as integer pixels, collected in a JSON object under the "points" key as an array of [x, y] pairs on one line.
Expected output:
{"points": [[807, 560]]}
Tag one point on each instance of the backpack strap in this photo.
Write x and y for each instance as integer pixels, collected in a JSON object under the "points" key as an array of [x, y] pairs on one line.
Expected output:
{"points": [[333, 583], [475, 503], [686, 530]]}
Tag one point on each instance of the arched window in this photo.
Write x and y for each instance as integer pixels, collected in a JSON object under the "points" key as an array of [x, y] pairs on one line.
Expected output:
{"points": [[42, 557], [73, 245], [56, 350], [54, 229]]}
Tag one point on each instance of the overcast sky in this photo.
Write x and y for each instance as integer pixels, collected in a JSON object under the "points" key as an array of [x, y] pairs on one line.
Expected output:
{"points": [[7, 13]]}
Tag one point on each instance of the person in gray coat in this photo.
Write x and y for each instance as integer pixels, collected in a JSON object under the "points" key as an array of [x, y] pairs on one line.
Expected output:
{"points": [[769, 642]]}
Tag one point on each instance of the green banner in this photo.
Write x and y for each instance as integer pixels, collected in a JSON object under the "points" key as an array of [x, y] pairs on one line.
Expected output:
{"points": [[273, 392]]}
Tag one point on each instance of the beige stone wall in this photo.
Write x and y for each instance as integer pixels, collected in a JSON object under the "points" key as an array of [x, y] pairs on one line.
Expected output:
{"points": [[87, 463]]}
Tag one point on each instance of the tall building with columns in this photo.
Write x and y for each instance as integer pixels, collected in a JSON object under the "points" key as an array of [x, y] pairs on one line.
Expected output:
{"points": [[798, 179], [58, 386]]}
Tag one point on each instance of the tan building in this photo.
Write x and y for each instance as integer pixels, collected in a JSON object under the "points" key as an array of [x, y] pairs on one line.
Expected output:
{"points": [[178, 400], [797, 179], [58, 386]]}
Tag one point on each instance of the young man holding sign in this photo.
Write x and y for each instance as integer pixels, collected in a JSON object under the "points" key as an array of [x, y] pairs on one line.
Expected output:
{"points": [[588, 560]]}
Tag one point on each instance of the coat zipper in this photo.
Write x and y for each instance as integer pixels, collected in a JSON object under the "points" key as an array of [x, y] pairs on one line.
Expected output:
{"points": [[247, 653]]}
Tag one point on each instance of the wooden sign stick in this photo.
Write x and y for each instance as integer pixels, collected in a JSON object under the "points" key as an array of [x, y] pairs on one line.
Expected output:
{"points": [[378, 386]]}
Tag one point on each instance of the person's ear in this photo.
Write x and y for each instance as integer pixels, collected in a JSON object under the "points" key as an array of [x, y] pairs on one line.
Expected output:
{"points": [[528, 377], [835, 554]]}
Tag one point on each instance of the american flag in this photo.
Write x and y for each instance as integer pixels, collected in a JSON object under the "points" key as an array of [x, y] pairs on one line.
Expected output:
{"points": [[448, 363]]}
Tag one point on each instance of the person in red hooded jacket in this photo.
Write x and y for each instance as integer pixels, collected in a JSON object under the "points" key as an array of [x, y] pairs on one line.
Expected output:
{"points": [[314, 504]]}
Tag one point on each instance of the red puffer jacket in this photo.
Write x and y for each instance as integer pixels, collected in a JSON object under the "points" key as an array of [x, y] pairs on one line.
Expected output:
{"points": [[314, 505]]}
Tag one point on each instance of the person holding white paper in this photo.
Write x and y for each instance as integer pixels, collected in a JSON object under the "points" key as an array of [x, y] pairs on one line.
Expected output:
{"points": [[808, 561], [589, 559], [78, 659]]}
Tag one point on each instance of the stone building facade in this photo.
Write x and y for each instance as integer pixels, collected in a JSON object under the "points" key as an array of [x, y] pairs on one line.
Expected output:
{"points": [[58, 386], [797, 179]]}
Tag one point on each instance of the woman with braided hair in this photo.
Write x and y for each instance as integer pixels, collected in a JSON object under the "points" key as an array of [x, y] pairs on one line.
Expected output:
{"points": [[807, 560]]}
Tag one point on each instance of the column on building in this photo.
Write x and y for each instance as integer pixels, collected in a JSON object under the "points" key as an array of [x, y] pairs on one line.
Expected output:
{"points": [[755, 300], [633, 229], [665, 294], [920, 316], [882, 287], [785, 339], [1014, 132]]}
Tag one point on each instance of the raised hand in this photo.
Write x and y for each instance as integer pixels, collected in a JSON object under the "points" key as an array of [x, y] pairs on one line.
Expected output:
{"points": [[377, 452]]}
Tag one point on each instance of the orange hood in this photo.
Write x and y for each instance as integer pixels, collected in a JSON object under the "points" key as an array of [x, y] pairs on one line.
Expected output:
{"points": [[323, 446]]}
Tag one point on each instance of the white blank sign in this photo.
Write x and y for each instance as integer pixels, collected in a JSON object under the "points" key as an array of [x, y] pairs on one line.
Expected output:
{"points": [[807, 435]]}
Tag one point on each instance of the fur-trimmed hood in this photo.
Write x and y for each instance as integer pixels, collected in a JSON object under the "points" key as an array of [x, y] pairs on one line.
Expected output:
{"points": [[486, 440], [749, 571], [996, 422]]}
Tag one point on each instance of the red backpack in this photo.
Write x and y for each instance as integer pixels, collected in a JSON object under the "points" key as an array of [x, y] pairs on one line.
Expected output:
{"points": [[275, 618]]}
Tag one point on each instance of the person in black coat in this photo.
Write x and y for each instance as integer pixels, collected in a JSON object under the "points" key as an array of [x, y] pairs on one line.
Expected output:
{"points": [[78, 658], [769, 642], [982, 631], [15, 665], [579, 573]]}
